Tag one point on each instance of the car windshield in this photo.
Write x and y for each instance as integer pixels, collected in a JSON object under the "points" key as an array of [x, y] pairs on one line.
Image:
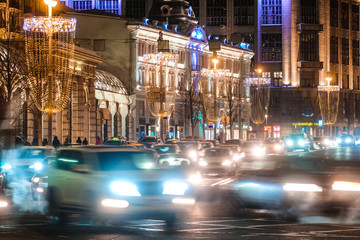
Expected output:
{"points": [[296, 136], [206, 145], [251, 144], [34, 153], [188, 145], [173, 161], [113, 142], [164, 149], [118, 161], [217, 152], [233, 141], [148, 140]]}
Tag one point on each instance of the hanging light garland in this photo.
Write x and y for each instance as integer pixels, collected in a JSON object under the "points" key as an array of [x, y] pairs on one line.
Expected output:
{"points": [[49, 45]]}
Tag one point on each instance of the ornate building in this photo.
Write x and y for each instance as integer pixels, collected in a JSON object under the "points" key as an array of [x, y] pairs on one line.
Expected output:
{"points": [[125, 46]]}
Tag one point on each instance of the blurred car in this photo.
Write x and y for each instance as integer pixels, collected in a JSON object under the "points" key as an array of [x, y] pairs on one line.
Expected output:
{"points": [[172, 141], [253, 148], [233, 142], [166, 148], [39, 186], [207, 144], [115, 142], [116, 184], [23, 163], [149, 142], [192, 149], [273, 146], [325, 142], [292, 186], [218, 160], [297, 141], [346, 140]]}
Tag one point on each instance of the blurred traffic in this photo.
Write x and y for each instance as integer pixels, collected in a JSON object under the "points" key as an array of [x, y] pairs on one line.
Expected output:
{"points": [[120, 179]]}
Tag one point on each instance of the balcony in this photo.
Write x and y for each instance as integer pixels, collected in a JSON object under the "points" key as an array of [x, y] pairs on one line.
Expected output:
{"points": [[311, 65], [305, 27]]}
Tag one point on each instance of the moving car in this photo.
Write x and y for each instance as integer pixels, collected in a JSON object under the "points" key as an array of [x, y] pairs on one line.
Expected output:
{"points": [[23, 163], [166, 148], [116, 184], [253, 148], [293, 186], [207, 144], [193, 149], [149, 142], [273, 146], [219, 160], [297, 141], [346, 140], [233, 142], [115, 142]]}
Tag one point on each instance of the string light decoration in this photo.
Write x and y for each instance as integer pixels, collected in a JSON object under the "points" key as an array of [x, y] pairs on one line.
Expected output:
{"points": [[160, 99], [49, 45], [259, 98], [329, 96]]}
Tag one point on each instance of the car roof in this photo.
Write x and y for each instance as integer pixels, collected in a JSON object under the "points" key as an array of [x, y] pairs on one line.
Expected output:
{"points": [[106, 149], [39, 147]]}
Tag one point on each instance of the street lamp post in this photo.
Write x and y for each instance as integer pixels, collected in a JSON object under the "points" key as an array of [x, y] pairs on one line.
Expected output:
{"points": [[329, 103]]}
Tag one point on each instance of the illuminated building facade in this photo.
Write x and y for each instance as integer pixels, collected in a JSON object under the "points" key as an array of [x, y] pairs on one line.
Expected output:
{"points": [[124, 44]]}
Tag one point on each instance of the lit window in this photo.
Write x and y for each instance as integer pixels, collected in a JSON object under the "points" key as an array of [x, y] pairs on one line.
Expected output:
{"points": [[271, 12]]}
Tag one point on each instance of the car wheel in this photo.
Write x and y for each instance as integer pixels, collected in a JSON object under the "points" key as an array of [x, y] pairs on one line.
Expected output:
{"points": [[54, 212]]}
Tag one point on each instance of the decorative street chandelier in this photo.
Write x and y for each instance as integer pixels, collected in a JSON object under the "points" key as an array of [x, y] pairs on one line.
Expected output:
{"points": [[160, 99], [259, 98], [49, 44], [329, 102]]}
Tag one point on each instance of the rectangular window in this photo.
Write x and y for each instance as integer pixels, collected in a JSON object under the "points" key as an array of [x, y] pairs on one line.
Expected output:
{"points": [[307, 79], [195, 6], [355, 17], [216, 12], [345, 15], [355, 52], [308, 11], [271, 47], [277, 79], [334, 50], [244, 12], [271, 12], [135, 8], [141, 107], [334, 13], [82, 5], [345, 51], [308, 47], [99, 44]]}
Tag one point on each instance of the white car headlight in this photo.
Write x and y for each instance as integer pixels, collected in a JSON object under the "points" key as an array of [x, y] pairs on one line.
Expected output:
{"points": [[7, 166], [226, 163], [277, 147], [175, 188], [203, 163], [125, 189], [301, 142], [338, 140], [298, 187], [289, 143], [37, 166], [346, 186], [348, 140], [195, 178], [193, 153]]}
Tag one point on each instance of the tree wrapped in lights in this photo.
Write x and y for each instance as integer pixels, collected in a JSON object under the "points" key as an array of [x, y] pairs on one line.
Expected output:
{"points": [[49, 44], [329, 103], [259, 99]]}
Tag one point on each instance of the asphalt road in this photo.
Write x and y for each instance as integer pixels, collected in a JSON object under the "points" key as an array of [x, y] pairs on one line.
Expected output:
{"points": [[211, 219]]}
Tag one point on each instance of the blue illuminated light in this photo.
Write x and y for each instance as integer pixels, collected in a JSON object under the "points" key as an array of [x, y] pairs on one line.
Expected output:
{"points": [[176, 28], [165, 26], [244, 45], [146, 21], [190, 10], [198, 35], [209, 37]]}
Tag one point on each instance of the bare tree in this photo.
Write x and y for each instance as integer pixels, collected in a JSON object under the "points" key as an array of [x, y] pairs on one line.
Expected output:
{"points": [[191, 99], [12, 76], [232, 104]]}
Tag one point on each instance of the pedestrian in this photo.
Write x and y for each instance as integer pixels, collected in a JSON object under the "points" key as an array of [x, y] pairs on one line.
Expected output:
{"points": [[18, 142], [85, 142], [98, 140], [56, 143], [35, 141], [45, 142], [79, 141]]}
